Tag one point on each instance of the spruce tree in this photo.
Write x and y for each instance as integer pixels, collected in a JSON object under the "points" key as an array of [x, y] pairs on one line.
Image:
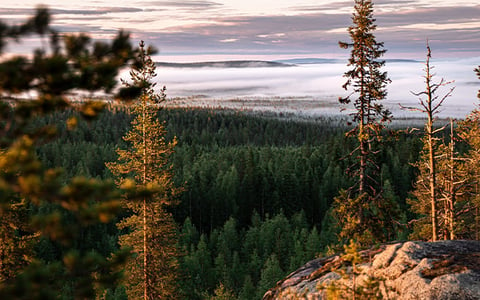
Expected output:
{"points": [[369, 85], [152, 272], [361, 212], [271, 273], [248, 289]]}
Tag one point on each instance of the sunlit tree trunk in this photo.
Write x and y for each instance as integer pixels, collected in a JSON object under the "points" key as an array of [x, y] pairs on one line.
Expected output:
{"points": [[152, 273], [452, 191], [145, 251], [431, 159], [430, 104]]}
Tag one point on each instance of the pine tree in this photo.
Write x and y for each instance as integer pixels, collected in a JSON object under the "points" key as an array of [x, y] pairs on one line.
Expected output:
{"points": [[248, 290], [222, 293], [271, 273], [351, 285], [369, 83], [361, 212], [427, 186], [152, 273], [468, 227], [36, 201], [16, 243]]}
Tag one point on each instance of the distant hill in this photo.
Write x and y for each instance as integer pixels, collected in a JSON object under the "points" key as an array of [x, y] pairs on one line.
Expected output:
{"points": [[264, 64], [401, 60], [226, 64], [306, 61]]}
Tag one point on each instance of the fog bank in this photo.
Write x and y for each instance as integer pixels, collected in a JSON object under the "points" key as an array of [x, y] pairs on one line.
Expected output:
{"points": [[315, 87]]}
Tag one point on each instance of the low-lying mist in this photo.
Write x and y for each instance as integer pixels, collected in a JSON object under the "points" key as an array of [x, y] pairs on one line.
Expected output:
{"points": [[308, 84]]}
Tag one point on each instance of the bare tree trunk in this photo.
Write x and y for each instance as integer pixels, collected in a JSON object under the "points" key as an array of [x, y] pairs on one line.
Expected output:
{"points": [[431, 149], [430, 103]]}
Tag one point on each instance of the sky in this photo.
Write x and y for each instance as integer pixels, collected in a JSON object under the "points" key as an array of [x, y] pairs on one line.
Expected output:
{"points": [[200, 30]]}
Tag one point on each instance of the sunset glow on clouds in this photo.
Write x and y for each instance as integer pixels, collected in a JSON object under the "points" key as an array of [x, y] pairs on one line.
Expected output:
{"points": [[207, 30], [261, 28]]}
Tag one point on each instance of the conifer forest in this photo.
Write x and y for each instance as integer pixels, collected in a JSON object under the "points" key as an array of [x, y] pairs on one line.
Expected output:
{"points": [[126, 197]]}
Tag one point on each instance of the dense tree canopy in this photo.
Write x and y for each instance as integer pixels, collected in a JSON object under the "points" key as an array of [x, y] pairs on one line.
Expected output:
{"points": [[228, 173]]}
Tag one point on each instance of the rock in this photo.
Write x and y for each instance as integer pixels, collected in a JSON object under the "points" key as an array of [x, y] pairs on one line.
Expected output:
{"points": [[409, 270]]}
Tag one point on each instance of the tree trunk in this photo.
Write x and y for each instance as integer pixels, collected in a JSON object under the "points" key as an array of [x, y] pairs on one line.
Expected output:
{"points": [[431, 150], [433, 199], [476, 223], [451, 198], [145, 275], [363, 147]]}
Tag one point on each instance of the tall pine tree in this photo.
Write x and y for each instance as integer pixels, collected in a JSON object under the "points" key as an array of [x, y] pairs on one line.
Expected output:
{"points": [[361, 212], [151, 230]]}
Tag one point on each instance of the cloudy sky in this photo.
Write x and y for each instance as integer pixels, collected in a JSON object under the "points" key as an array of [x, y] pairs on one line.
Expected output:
{"points": [[187, 30]]}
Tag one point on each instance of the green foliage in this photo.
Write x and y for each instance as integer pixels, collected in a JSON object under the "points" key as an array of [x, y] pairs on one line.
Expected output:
{"points": [[45, 215], [230, 180], [16, 248], [151, 230], [211, 157], [466, 209], [361, 210], [257, 186], [248, 289], [420, 197], [246, 262], [83, 65], [366, 78], [270, 275], [221, 293], [352, 284], [445, 195], [367, 221], [217, 164]]}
